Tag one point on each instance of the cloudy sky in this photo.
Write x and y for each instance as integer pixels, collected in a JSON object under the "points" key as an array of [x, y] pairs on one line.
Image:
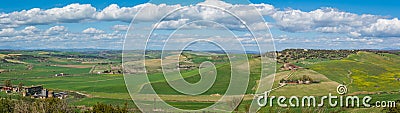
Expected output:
{"points": [[333, 24]]}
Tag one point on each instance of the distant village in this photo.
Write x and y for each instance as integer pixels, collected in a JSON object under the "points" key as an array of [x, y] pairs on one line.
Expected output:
{"points": [[289, 55], [31, 91], [303, 80]]}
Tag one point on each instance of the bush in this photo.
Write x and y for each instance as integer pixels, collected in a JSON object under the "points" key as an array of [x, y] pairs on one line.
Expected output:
{"points": [[50, 105], [108, 108]]}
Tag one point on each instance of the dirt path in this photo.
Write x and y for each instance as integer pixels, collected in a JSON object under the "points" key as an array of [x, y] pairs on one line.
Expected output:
{"points": [[91, 70], [348, 76], [83, 94]]}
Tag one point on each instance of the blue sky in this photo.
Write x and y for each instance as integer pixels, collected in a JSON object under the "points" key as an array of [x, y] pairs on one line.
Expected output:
{"points": [[384, 7], [318, 24]]}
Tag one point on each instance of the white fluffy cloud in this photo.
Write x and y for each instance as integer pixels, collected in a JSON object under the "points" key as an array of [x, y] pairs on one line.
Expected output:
{"points": [[92, 31], [329, 20], [10, 32], [182, 24], [35, 16], [150, 12], [74, 13], [383, 28], [195, 13], [55, 30], [323, 20], [326, 20], [114, 12], [59, 31], [119, 27], [7, 32], [30, 30]]}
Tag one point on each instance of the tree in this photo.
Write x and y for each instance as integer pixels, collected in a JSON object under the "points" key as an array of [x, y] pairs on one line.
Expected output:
{"points": [[307, 78], [108, 108], [20, 85], [7, 83], [50, 105], [6, 105]]}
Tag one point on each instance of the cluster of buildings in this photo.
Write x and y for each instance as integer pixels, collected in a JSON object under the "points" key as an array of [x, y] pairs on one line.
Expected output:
{"points": [[186, 67], [59, 75], [289, 82], [35, 92], [114, 69], [2, 70]]}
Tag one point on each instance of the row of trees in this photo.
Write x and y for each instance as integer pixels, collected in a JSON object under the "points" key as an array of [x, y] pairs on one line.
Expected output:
{"points": [[8, 83], [52, 105], [108, 108], [296, 54]]}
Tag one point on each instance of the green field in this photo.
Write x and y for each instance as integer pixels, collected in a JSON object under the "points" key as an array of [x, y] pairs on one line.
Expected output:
{"points": [[364, 71], [110, 88], [219, 87]]}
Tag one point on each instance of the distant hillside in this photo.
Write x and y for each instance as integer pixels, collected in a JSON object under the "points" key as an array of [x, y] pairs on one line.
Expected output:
{"points": [[364, 71], [221, 83]]}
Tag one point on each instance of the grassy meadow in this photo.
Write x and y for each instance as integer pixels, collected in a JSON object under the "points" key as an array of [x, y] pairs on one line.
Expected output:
{"points": [[364, 71]]}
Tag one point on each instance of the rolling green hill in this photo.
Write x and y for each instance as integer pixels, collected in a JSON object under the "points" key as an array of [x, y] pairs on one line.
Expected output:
{"points": [[364, 71], [220, 86], [325, 86]]}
